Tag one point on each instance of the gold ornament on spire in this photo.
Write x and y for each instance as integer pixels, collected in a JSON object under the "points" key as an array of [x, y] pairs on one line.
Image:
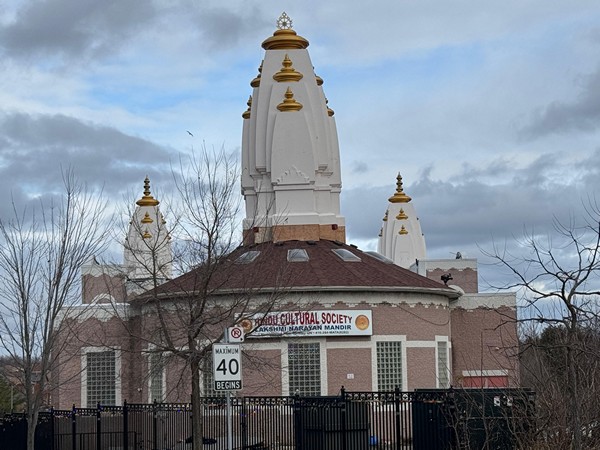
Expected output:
{"points": [[289, 103], [147, 199], [147, 219], [403, 230], [256, 82], [287, 72], [401, 215], [380, 232], [284, 22], [330, 111], [246, 114], [385, 218], [146, 235], [284, 37], [399, 196]]}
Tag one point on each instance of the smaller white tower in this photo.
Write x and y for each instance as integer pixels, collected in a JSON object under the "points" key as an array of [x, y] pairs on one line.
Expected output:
{"points": [[148, 256], [401, 238]]}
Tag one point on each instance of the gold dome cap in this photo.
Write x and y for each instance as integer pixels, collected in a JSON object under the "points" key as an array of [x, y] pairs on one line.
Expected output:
{"points": [[287, 72], [284, 38], [256, 81], [246, 114], [289, 103], [147, 199], [399, 196]]}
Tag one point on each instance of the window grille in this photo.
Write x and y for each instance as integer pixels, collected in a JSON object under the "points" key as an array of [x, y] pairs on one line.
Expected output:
{"points": [[156, 362], [101, 378], [389, 365], [304, 368], [442, 364]]}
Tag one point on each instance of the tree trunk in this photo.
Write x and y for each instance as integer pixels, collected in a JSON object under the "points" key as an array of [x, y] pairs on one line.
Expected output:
{"points": [[573, 395], [197, 422]]}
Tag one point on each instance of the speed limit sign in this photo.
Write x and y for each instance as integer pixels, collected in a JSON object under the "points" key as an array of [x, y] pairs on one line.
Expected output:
{"points": [[227, 367]]}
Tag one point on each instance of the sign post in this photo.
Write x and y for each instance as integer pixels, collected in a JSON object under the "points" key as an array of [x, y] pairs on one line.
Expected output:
{"points": [[227, 370]]}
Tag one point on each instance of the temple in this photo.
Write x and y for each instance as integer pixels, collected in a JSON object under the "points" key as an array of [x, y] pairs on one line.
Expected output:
{"points": [[318, 312]]}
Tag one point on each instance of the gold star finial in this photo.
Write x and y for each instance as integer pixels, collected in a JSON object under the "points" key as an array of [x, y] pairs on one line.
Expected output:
{"points": [[284, 22]]}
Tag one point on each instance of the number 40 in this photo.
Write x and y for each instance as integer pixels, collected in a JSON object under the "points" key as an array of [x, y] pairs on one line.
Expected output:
{"points": [[232, 365]]}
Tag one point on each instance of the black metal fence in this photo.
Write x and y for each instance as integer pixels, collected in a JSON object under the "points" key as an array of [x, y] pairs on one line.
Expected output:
{"points": [[420, 420]]}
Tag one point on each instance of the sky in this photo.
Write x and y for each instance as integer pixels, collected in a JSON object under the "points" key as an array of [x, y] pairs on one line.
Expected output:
{"points": [[489, 110]]}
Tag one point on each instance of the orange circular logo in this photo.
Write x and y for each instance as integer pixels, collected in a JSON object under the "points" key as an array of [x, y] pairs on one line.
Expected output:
{"points": [[362, 322]]}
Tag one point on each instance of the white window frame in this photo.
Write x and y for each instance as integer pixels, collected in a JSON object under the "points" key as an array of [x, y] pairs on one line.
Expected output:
{"points": [[401, 338], [84, 353], [285, 375], [164, 375], [448, 361]]}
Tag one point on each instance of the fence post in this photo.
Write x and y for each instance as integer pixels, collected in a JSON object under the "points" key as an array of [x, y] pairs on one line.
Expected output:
{"points": [[154, 424], [398, 418], [52, 428], [125, 426], [98, 427], [343, 419], [73, 428], [298, 422], [243, 422]]}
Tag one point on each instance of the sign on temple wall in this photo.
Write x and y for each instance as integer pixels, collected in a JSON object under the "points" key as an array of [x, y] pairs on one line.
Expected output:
{"points": [[309, 323]]}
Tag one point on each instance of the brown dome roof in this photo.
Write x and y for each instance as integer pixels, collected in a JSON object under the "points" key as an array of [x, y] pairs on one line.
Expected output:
{"points": [[266, 267]]}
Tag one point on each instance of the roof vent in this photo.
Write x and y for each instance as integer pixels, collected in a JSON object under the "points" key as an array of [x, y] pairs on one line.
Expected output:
{"points": [[297, 255], [248, 257], [346, 255]]}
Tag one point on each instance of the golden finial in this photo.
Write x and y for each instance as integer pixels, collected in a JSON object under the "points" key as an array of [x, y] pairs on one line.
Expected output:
{"points": [[330, 111], [319, 80], [284, 22], [287, 72], [402, 230], [146, 235], [380, 232], [385, 218], [284, 37], [246, 114], [256, 82], [399, 196], [147, 219], [147, 199], [289, 103], [401, 215]]}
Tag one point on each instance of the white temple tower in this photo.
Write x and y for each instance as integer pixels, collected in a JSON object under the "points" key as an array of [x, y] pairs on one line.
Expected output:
{"points": [[401, 238], [291, 177], [147, 248]]}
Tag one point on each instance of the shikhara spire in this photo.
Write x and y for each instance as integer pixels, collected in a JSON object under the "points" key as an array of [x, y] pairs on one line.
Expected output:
{"points": [[291, 178], [401, 238], [147, 249]]}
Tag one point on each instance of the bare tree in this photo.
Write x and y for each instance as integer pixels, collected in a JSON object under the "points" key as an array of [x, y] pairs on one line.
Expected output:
{"points": [[41, 252], [559, 278], [182, 318]]}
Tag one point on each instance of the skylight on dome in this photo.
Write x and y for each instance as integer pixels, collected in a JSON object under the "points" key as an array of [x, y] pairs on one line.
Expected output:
{"points": [[346, 255], [380, 257], [297, 255], [248, 257]]}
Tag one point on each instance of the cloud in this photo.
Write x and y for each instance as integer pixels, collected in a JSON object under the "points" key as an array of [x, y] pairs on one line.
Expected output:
{"points": [[68, 29], [481, 205], [35, 148], [582, 114]]}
